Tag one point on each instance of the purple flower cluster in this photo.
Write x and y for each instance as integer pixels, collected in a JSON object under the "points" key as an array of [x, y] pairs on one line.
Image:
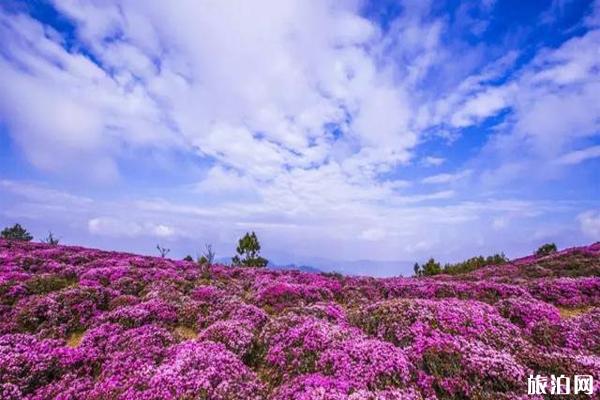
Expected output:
{"points": [[80, 323]]}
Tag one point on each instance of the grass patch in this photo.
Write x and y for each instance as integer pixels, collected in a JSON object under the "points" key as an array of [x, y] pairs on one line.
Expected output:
{"points": [[43, 284], [573, 312], [75, 339], [185, 332]]}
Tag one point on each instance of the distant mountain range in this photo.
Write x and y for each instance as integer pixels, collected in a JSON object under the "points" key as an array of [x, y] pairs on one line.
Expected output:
{"points": [[271, 265], [355, 267]]}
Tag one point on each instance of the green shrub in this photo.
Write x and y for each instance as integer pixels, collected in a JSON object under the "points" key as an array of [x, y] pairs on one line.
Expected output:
{"points": [[248, 250], [431, 267], [16, 232], [474, 263], [41, 284], [546, 249]]}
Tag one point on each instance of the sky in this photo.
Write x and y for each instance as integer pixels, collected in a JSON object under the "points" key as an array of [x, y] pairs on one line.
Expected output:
{"points": [[358, 136]]}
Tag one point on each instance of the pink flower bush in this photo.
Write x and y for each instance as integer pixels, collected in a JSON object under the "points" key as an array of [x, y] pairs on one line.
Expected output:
{"points": [[237, 336], [405, 320], [452, 367], [294, 344], [203, 370], [79, 323], [366, 364], [528, 313]]}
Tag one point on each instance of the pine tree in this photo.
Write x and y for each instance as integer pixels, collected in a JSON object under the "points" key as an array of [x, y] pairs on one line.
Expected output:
{"points": [[16, 232], [431, 267], [248, 251]]}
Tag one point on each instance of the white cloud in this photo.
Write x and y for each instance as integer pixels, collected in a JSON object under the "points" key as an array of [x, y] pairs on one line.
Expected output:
{"points": [[482, 105], [253, 86], [433, 161], [499, 223], [446, 177], [589, 222], [122, 227], [113, 227], [42, 194], [163, 231], [220, 180], [578, 156], [249, 85], [593, 19], [373, 234]]}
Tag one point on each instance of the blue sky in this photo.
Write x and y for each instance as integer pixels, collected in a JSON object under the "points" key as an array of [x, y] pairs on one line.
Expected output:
{"points": [[383, 131]]}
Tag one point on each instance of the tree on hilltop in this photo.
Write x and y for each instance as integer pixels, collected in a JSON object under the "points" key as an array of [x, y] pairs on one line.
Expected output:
{"points": [[208, 258], [51, 239], [546, 249], [162, 250], [16, 232], [248, 251], [431, 267]]}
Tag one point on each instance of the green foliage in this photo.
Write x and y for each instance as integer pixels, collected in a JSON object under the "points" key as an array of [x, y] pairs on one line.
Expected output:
{"points": [[546, 249], [51, 239], [248, 251], [474, 263], [188, 258], [16, 232], [41, 284], [431, 267], [442, 364]]}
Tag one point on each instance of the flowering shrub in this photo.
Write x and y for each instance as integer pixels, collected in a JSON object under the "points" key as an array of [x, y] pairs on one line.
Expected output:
{"points": [[27, 363], [528, 313], [366, 364], [203, 370], [78, 323], [236, 335], [583, 332], [452, 367], [403, 321], [152, 311], [280, 295], [295, 343]]}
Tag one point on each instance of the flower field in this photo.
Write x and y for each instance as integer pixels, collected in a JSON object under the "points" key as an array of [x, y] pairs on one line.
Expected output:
{"points": [[78, 323]]}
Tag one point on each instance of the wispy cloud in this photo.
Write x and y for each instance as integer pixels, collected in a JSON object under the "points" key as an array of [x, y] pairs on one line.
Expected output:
{"points": [[590, 223], [432, 161], [446, 178], [578, 156]]}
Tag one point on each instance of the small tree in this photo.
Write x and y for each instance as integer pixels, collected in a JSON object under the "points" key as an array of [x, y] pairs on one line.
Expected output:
{"points": [[248, 250], [431, 267], [163, 251], [208, 257], [417, 269], [188, 258], [546, 249], [50, 239], [16, 232]]}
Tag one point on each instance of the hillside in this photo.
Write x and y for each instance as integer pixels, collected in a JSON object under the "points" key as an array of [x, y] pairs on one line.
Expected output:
{"points": [[78, 323]]}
